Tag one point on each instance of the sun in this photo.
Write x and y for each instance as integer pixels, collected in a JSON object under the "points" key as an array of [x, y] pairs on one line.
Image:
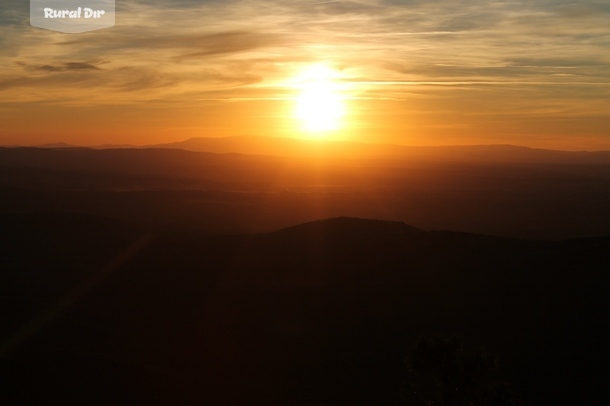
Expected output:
{"points": [[319, 105]]}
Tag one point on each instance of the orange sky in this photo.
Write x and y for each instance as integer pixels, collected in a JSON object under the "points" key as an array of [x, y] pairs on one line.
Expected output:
{"points": [[408, 72]]}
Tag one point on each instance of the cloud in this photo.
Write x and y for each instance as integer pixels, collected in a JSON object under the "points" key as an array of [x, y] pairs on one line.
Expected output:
{"points": [[14, 13], [488, 52], [63, 67], [188, 45], [230, 42]]}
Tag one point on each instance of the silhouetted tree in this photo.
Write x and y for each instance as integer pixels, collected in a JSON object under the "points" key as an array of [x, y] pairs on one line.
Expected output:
{"points": [[440, 372]]}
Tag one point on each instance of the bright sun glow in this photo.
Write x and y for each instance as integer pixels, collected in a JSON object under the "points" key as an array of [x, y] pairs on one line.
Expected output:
{"points": [[319, 105]]}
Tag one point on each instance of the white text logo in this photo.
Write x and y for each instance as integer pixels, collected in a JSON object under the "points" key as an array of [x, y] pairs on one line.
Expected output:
{"points": [[72, 16]]}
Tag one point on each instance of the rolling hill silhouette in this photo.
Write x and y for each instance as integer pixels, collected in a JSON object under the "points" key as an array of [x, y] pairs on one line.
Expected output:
{"points": [[335, 149], [318, 313], [292, 147], [237, 193]]}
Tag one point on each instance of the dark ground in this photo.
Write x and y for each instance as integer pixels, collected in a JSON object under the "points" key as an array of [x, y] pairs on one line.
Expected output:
{"points": [[158, 276], [323, 313]]}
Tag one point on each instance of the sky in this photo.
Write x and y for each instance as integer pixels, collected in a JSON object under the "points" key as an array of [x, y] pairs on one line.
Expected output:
{"points": [[532, 73]]}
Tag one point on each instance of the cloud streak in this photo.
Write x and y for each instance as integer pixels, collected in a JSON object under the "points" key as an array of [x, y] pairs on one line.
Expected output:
{"points": [[517, 57], [66, 66]]}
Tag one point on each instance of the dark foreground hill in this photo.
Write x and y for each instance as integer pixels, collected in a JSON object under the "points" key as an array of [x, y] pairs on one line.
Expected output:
{"points": [[100, 312]]}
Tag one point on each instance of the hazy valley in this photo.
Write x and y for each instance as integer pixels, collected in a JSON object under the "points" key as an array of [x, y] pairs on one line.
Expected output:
{"points": [[166, 276], [498, 190]]}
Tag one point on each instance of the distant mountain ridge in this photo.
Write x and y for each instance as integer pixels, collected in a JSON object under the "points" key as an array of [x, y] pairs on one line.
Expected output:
{"points": [[298, 147], [260, 145], [497, 194], [348, 227]]}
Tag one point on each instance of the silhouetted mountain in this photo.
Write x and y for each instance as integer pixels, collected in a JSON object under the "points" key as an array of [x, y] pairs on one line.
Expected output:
{"points": [[236, 193], [115, 146], [356, 150], [334, 149], [123, 168], [319, 313], [345, 227], [58, 145]]}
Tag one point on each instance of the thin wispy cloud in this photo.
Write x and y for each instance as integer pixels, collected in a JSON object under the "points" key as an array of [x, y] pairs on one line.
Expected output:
{"points": [[66, 66], [501, 55]]}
